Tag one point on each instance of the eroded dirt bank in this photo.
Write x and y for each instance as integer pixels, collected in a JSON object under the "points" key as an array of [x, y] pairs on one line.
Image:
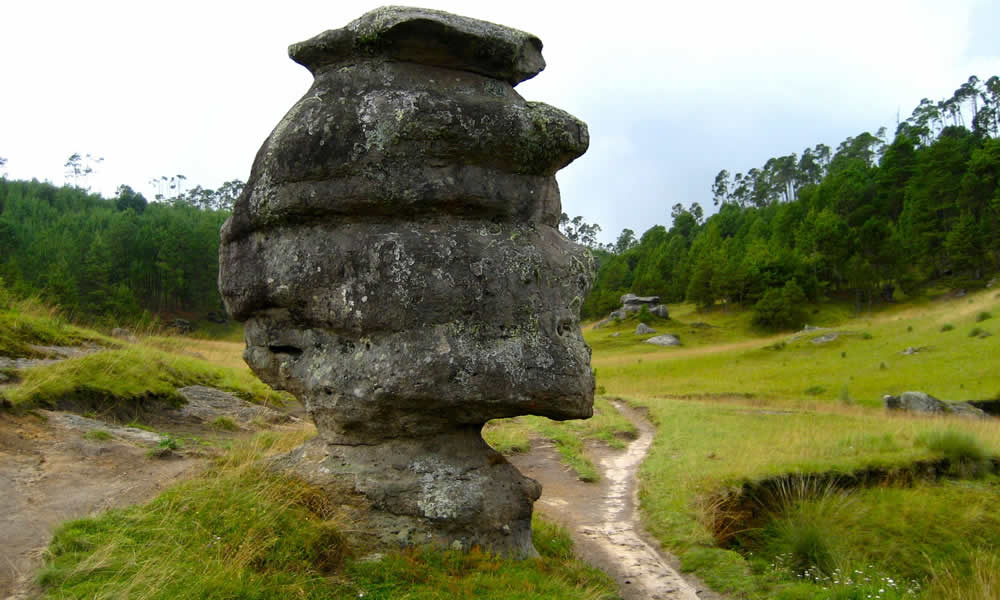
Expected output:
{"points": [[603, 517]]}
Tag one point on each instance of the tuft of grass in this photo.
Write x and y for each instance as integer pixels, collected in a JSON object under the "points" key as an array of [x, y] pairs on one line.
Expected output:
{"points": [[947, 327], [242, 531], [97, 435], [979, 580], [983, 316], [815, 390]]}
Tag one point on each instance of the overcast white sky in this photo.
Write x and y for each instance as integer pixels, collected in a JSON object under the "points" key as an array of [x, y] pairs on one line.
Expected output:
{"points": [[673, 92]]}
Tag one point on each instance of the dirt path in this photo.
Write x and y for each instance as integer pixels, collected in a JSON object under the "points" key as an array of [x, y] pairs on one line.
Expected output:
{"points": [[603, 517]]}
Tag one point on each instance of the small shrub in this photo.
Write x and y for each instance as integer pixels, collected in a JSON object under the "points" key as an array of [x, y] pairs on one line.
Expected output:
{"points": [[983, 316], [815, 390], [909, 328], [168, 443], [224, 424], [97, 435], [882, 366], [866, 336], [644, 315], [947, 327], [978, 332]]}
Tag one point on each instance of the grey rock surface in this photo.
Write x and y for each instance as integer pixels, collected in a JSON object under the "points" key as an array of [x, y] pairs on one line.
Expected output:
{"points": [[643, 329], [395, 258], [666, 339]]}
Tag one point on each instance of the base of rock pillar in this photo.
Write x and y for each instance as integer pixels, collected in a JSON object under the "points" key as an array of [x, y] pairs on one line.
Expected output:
{"points": [[448, 490]]}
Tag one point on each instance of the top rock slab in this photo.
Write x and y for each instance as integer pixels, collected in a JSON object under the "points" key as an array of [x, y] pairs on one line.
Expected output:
{"points": [[428, 37]]}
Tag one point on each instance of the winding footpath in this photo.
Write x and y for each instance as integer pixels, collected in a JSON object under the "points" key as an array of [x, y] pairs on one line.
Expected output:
{"points": [[603, 517]]}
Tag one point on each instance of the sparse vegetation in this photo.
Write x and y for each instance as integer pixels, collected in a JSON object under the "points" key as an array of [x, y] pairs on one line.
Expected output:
{"points": [[97, 435]]}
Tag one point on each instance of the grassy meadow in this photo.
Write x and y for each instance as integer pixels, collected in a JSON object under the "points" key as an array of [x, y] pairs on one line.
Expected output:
{"points": [[774, 473]]}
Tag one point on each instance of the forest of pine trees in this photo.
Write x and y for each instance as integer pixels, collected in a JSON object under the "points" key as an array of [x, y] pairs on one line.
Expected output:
{"points": [[862, 221], [111, 259]]}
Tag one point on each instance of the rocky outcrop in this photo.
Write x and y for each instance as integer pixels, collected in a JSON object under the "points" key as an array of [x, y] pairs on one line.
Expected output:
{"points": [[633, 304], [395, 258], [923, 403], [643, 329]]}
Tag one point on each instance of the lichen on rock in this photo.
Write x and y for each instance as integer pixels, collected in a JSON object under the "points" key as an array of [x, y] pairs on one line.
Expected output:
{"points": [[395, 259]]}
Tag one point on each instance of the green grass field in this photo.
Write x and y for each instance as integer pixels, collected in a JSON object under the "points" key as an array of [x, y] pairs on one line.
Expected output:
{"points": [[737, 408]]}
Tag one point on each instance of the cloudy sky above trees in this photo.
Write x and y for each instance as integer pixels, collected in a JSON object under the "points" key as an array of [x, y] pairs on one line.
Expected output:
{"points": [[673, 92]]}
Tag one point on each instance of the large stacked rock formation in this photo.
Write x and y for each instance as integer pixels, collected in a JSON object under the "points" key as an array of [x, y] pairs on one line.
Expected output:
{"points": [[395, 258]]}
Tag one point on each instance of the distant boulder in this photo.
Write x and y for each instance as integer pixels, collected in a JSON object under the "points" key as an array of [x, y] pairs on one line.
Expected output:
{"points": [[923, 403], [666, 339], [826, 338]]}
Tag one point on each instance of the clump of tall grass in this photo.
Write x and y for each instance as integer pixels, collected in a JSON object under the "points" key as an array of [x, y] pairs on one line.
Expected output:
{"points": [[953, 582]]}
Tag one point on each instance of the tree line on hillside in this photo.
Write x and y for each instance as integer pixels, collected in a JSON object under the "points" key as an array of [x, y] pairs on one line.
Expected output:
{"points": [[109, 258], [862, 221]]}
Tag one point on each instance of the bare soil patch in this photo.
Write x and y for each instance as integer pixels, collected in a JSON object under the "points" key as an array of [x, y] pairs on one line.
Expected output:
{"points": [[49, 472]]}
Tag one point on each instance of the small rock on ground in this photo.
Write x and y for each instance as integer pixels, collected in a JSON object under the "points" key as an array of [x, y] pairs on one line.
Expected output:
{"points": [[664, 340]]}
